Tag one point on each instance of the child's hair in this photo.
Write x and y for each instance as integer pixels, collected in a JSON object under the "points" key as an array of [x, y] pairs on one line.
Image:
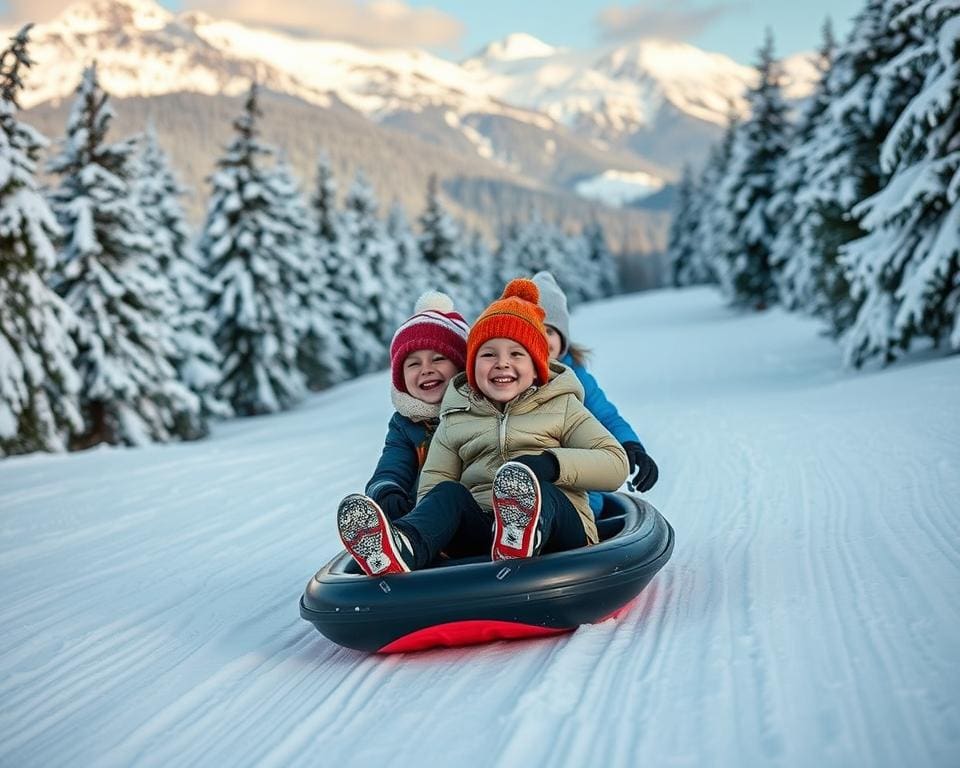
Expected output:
{"points": [[579, 353]]}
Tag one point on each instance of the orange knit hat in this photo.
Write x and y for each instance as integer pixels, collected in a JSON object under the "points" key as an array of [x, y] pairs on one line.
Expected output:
{"points": [[515, 315]]}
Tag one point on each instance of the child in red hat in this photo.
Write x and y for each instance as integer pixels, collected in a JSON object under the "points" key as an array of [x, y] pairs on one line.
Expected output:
{"points": [[510, 462], [426, 352]]}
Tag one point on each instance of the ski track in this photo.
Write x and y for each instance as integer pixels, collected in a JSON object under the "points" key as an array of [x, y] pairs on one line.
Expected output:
{"points": [[810, 614]]}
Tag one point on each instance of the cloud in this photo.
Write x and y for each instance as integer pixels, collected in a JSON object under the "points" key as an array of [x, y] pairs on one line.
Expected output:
{"points": [[370, 22], [39, 11], [678, 21]]}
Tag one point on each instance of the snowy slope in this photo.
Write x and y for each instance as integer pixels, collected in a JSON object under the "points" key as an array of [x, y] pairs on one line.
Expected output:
{"points": [[809, 616]]}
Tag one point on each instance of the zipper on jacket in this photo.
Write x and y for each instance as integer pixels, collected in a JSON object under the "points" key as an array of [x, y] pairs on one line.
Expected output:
{"points": [[503, 435]]}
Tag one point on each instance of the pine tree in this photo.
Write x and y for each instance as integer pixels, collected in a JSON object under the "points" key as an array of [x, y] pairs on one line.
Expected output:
{"points": [[411, 271], [602, 260], [714, 210], [346, 275], [38, 383], [683, 244], [843, 164], [747, 278], [506, 258], [535, 243], [482, 268], [197, 360], [796, 212], [444, 252], [253, 324], [377, 291], [320, 352], [906, 268], [324, 202], [568, 259], [108, 275]]}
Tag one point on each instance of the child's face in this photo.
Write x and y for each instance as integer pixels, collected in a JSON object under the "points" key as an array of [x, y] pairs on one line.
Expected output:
{"points": [[554, 342], [503, 370], [426, 373]]}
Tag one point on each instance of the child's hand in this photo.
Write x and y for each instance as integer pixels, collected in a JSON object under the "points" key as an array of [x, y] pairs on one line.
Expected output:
{"points": [[645, 467], [394, 503], [545, 466]]}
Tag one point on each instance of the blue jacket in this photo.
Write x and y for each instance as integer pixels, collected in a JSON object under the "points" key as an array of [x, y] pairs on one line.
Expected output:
{"points": [[596, 402], [404, 451]]}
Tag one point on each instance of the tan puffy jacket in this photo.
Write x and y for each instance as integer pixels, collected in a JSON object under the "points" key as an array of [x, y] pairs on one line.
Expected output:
{"points": [[474, 439]]}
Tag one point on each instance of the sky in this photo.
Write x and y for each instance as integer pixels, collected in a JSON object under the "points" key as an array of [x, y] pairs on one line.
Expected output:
{"points": [[458, 28]]}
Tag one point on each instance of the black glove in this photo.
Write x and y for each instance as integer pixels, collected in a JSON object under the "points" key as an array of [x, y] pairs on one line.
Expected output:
{"points": [[545, 466], [394, 503], [645, 467]]}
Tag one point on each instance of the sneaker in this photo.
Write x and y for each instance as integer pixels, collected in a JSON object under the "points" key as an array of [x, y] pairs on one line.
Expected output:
{"points": [[367, 534], [516, 512]]}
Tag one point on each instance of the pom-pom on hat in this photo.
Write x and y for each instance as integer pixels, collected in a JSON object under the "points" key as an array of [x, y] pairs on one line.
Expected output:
{"points": [[554, 303], [436, 325], [516, 315]]}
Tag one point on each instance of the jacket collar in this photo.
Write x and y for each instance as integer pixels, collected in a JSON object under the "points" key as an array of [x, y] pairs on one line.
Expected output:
{"points": [[460, 396]]}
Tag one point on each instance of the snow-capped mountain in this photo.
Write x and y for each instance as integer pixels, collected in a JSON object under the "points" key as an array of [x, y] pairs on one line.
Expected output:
{"points": [[609, 95], [612, 125]]}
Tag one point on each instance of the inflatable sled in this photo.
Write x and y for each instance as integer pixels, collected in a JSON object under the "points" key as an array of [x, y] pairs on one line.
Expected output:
{"points": [[462, 602]]}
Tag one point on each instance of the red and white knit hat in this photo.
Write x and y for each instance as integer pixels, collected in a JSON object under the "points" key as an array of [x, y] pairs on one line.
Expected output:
{"points": [[434, 325]]}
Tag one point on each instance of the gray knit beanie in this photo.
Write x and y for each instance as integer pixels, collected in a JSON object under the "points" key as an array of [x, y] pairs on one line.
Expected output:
{"points": [[554, 302]]}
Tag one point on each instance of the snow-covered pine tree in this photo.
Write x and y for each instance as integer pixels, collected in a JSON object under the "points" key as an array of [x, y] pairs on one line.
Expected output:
{"points": [[601, 259], [793, 209], [506, 258], [375, 289], [324, 202], [843, 164], [747, 278], [321, 355], [334, 260], [568, 259], [714, 209], [411, 271], [539, 248], [482, 264], [108, 275], [683, 243], [444, 252], [197, 360], [363, 349], [254, 329], [38, 384], [907, 267]]}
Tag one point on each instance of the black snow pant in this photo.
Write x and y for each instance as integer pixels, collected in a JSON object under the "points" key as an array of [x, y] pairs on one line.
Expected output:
{"points": [[448, 519]]}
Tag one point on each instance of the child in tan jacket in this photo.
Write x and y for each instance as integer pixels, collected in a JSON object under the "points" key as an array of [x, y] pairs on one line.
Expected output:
{"points": [[511, 461]]}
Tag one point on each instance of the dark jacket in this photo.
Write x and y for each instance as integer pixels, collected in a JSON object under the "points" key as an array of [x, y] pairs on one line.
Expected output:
{"points": [[404, 452]]}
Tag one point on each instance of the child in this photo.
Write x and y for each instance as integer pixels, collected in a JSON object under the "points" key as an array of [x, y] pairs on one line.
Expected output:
{"points": [[514, 452], [554, 302], [426, 352]]}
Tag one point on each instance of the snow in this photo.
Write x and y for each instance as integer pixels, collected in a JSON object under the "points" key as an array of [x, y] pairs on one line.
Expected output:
{"points": [[809, 615], [518, 45], [618, 188]]}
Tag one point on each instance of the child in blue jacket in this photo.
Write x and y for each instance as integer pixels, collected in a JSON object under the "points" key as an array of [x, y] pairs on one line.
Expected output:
{"points": [[554, 302], [426, 352]]}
